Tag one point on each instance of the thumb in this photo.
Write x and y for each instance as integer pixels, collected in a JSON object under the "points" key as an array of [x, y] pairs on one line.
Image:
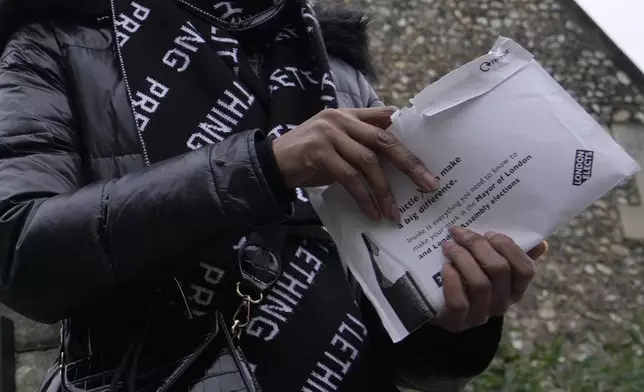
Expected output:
{"points": [[538, 250]]}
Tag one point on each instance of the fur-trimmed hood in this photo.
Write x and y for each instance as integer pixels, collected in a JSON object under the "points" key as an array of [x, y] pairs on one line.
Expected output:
{"points": [[344, 31]]}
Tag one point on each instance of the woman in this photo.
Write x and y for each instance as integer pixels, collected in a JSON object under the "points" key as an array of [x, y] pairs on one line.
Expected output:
{"points": [[152, 155]]}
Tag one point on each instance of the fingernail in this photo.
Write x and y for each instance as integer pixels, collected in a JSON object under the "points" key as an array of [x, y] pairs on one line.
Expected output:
{"points": [[387, 207], [430, 182], [386, 212], [448, 245], [384, 209], [490, 234], [458, 230], [395, 213]]}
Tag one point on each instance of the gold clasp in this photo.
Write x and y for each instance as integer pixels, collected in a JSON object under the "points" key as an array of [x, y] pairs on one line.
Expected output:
{"points": [[242, 315]]}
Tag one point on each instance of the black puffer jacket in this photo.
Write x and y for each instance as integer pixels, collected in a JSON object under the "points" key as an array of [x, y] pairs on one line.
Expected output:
{"points": [[84, 223], [73, 181]]}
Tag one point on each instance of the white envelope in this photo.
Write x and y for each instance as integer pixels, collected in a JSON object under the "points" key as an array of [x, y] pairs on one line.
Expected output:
{"points": [[514, 153]]}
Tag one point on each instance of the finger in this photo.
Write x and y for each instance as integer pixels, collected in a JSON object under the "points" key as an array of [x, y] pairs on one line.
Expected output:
{"points": [[341, 171], [366, 161], [538, 250], [495, 266], [521, 264], [454, 317], [378, 117], [477, 284], [384, 142]]}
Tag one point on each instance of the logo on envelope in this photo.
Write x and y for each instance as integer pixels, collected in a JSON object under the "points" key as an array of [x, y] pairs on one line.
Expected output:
{"points": [[583, 170], [487, 65]]}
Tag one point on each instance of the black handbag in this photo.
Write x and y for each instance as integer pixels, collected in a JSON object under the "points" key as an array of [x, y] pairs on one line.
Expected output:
{"points": [[208, 360]]}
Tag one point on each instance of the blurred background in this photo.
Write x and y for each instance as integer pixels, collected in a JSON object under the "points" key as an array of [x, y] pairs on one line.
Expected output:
{"points": [[580, 327]]}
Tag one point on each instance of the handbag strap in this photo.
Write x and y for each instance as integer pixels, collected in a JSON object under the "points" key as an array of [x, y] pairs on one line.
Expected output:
{"points": [[260, 266]]}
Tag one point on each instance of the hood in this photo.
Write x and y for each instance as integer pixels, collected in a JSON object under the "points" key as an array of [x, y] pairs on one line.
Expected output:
{"points": [[346, 36], [344, 31]]}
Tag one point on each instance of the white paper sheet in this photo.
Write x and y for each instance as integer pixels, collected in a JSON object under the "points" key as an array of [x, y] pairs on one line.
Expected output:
{"points": [[514, 154]]}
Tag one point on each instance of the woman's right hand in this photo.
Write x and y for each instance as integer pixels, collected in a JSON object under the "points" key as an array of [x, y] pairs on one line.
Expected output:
{"points": [[344, 145]]}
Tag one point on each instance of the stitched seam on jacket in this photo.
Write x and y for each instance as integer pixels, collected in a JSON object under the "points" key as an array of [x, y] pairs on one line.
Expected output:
{"points": [[374, 100], [351, 94], [76, 46], [102, 234], [9, 53], [12, 51], [41, 120], [25, 134], [111, 157], [214, 189], [72, 99], [250, 140], [103, 243]]}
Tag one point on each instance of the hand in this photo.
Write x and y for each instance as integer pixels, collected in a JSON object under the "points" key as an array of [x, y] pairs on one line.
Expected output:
{"points": [[344, 145], [486, 275]]}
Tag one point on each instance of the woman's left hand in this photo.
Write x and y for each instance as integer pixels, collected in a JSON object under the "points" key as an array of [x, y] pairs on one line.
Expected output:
{"points": [[487, 274]]}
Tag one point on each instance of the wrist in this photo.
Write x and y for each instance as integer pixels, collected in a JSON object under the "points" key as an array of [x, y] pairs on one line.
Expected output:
{"points": [[270, 168]]}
